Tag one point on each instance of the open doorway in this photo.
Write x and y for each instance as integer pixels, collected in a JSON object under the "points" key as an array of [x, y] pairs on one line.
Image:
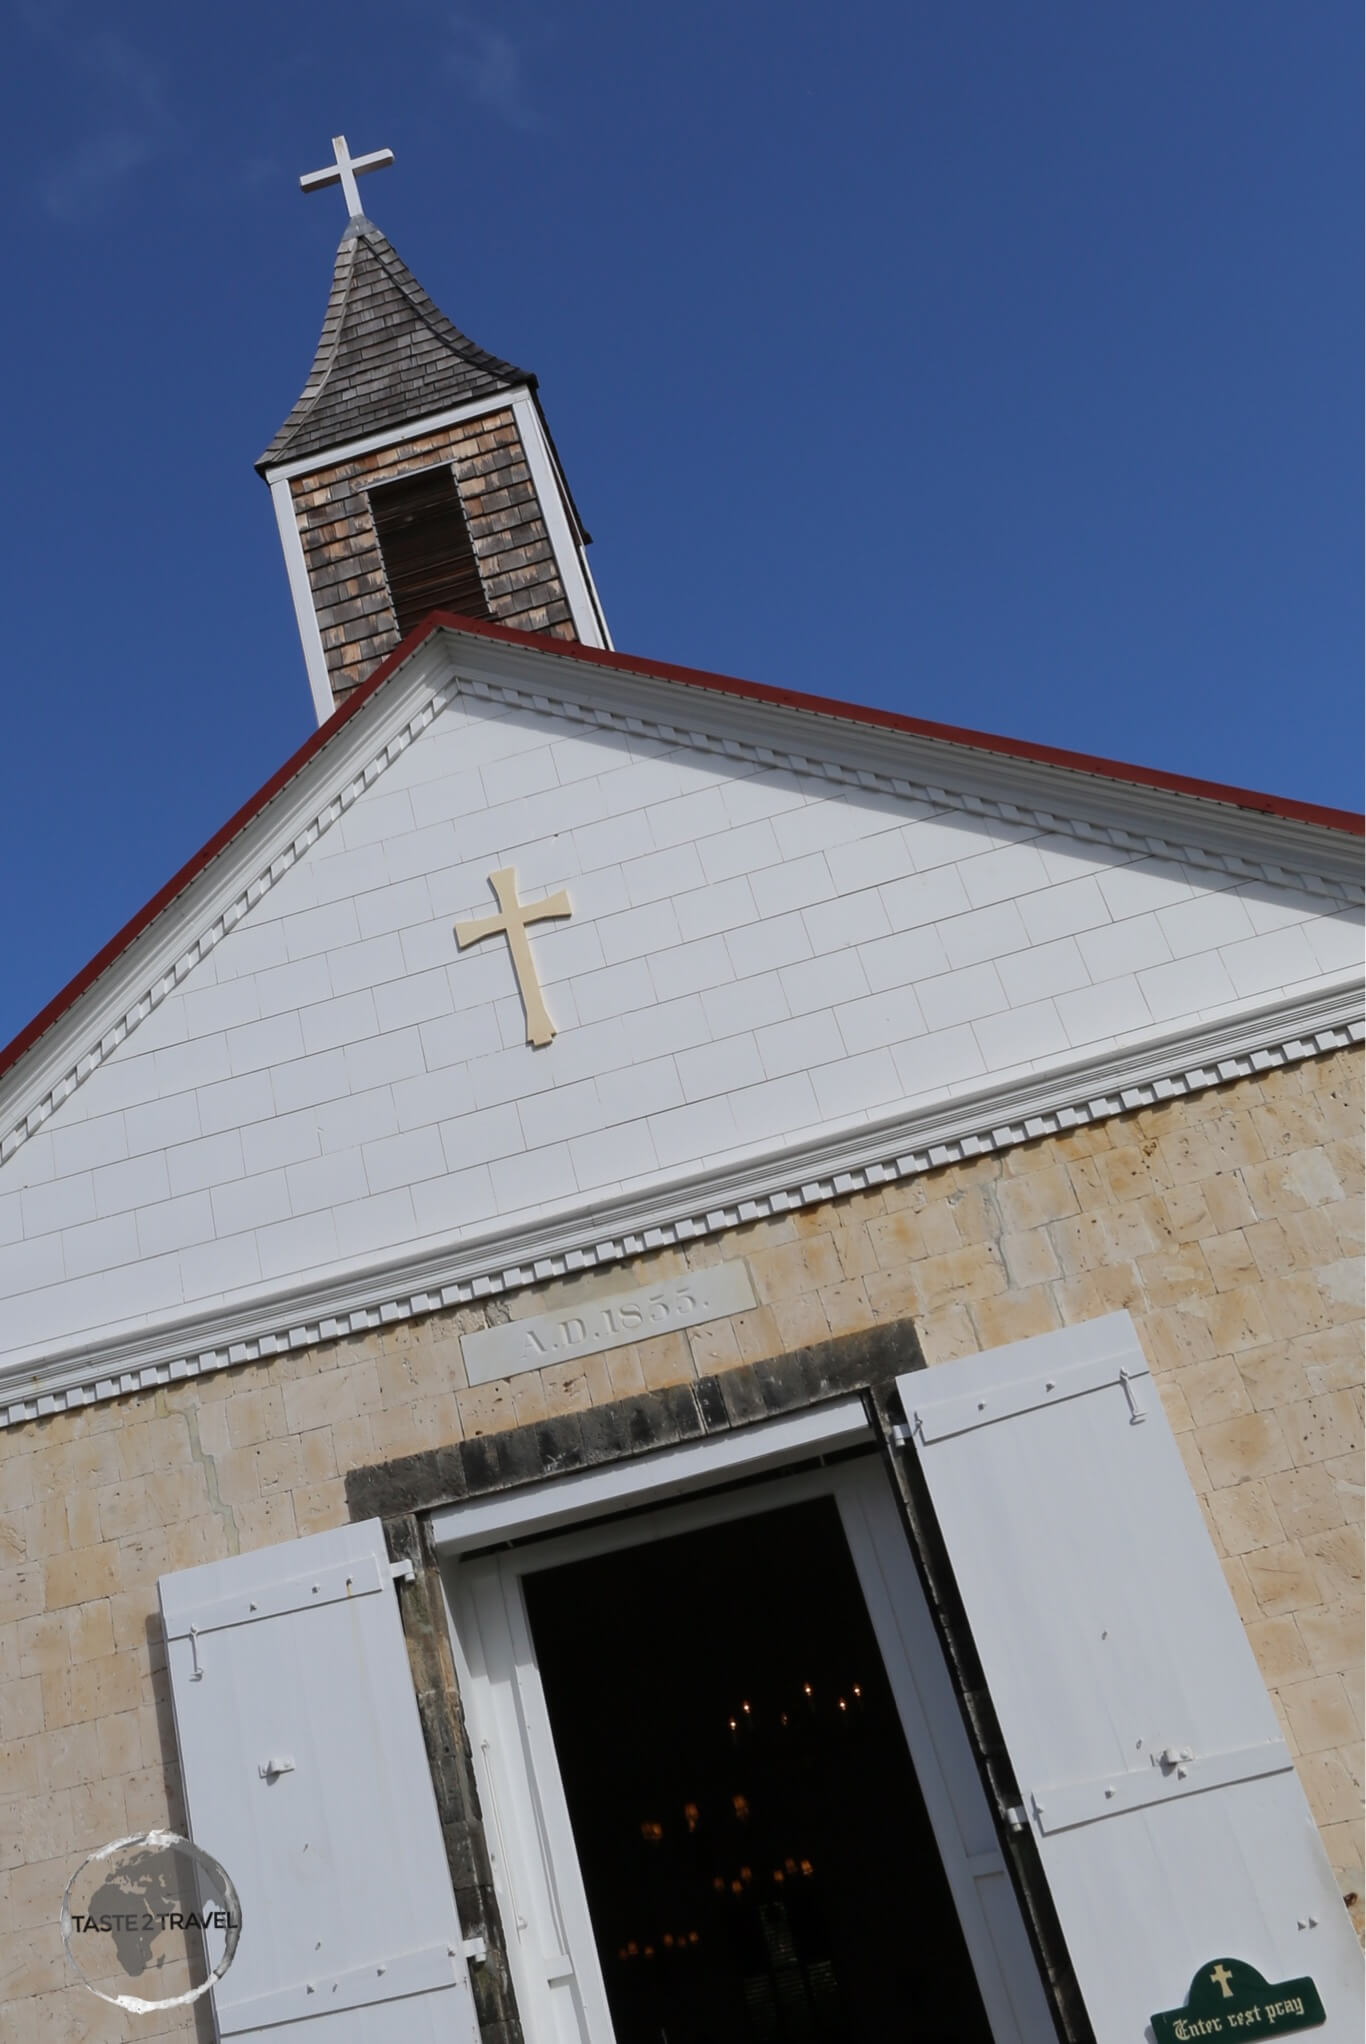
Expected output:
{"points": [[756, 1854]]}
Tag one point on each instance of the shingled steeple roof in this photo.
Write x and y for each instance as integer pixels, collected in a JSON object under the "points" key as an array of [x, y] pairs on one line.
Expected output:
{"points": [[387, 356]]}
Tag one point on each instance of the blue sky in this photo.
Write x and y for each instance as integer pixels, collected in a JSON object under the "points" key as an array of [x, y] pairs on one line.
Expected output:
{"points": [[996, 363]]}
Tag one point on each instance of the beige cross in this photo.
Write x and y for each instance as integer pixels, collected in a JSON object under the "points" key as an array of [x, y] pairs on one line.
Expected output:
{"points": [[1223, 1980], [511, 923]]}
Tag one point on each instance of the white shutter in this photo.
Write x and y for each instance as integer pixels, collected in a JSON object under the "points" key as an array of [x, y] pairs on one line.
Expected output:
{"points": [[306, 1777], [1170, 1823]]}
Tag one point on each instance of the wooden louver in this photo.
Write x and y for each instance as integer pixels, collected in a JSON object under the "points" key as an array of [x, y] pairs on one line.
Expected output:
{"points": [[425, 543]]}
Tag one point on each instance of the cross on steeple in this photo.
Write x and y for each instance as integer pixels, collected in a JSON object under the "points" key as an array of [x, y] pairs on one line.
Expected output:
{"points": [[345, 171]]}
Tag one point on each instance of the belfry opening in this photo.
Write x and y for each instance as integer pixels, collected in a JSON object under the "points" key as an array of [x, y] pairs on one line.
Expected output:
{"points": [[756, 1853]]}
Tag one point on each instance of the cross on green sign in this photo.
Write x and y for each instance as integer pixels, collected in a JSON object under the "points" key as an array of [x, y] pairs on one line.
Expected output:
{"points": [[1228, 1998]]}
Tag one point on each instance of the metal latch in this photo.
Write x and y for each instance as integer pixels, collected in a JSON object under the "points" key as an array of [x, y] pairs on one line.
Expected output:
{"points": [[273, 1769]]}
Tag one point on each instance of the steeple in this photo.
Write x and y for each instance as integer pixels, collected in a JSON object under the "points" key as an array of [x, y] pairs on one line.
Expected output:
{"points": [[415, 473]]}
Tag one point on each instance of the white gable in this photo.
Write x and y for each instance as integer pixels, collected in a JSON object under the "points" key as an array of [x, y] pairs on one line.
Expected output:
{"points": [[758, 956]]}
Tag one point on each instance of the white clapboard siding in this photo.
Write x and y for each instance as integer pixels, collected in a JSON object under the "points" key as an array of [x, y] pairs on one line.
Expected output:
{"points": [[307, 1076], [1170, 1823], [295, 1654]]}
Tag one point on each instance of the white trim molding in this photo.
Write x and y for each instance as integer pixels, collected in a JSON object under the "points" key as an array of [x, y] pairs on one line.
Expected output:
{"points": [[349, 450], [305, 610], [688, 1210], [545, 480], [858, 757], [664, 1472]]}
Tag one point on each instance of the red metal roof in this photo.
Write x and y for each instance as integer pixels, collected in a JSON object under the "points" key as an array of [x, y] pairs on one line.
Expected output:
{"points": [[1345, 820]]}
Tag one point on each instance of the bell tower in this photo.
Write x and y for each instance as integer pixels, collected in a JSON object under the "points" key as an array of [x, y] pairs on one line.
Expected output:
{"points": [[415, 473]]}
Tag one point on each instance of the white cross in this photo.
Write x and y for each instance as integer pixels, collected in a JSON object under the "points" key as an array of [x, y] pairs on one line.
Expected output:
{"points": [[345, 171], [512, 925]]}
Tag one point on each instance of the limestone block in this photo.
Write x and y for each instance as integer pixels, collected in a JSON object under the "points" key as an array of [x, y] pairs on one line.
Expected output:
{"points": [[793, 1269], [566, 1390], [320, 1506], [971, 1273], [846, 1306], [1101, 1291], [1175, 1274], [75, 1578], [83, 1519], [1214, 1391], [1283, 1578], [890, 1293], [1332, 1786], [1230, 1258], [1083, 1242], [1045, 1194], [1323, 1427], [1013, 1316], [255, 1415], [120, 1744], [264, 1521], [1336, 1558], [70, 1755], [20, 1772], [1238, 1449], [1273, 1377], [1332, 1634], [44, 1529], [625, 1377], [32, 1962], [1320, 1713], [1030, 1259], [1244, 1596], [21, 1707], [800, 1321], [44, 1827], [90, 1630]]}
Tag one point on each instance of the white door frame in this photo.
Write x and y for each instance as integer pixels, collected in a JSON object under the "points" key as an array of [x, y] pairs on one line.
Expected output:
{"points": [[551, 1949]]}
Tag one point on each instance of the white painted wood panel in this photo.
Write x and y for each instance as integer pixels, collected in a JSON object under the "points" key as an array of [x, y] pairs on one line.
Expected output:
{"points": [[757, 956], [1170, 1823], [349, 1930]]}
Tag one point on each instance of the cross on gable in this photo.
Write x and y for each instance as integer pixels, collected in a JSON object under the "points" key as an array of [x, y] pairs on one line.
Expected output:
{"points": [[512, 923], [345, 171]]}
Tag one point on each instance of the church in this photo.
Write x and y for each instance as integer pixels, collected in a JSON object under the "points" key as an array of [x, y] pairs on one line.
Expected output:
{"points": [[679, 1364]]}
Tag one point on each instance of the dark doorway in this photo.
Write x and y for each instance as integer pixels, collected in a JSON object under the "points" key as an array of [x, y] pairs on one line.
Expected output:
{"points": [[757, 1857]]}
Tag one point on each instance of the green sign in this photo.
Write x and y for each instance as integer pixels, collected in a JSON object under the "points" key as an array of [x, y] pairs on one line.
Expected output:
{"points": [[1230, 1999]]}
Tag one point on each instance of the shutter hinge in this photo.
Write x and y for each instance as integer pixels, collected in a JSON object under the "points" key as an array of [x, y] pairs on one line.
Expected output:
{"points": [[476, 1951], [902, 1434], [1175, 1771], [1137, 1412], [1018, 1818], [401, 1571]]}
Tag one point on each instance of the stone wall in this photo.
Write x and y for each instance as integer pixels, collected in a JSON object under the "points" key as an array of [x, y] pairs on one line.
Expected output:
{"points": [[345, 570], [1227, 1223]]}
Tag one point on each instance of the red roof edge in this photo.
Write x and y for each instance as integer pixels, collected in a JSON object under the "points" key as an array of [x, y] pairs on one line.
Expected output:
{"points": [[888, 720], [178, 882], [1345, 820]]}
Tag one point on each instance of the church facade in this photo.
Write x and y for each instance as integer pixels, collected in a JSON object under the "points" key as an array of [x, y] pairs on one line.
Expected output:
{"points": [[678, 1361]]}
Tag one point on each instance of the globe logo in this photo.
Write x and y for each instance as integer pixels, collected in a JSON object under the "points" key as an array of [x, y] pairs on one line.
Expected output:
{"points": [[150, 1922]]}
